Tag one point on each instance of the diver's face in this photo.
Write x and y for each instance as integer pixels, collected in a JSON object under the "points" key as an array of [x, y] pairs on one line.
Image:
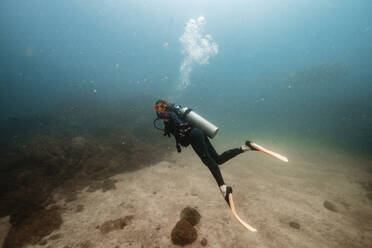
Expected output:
{"points": [[161, 111], [160, 107]]}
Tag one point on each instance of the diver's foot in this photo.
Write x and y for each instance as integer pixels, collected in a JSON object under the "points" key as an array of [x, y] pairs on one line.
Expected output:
{"points": [[226, 191], [245, 148], [248, 146], [223, 190]]}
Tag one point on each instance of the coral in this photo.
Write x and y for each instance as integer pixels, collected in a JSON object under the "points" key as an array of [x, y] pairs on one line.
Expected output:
{"points": [[34, 228], [330, 206], [183, 233], [204, 242], [294, 225], [112, 225], [191, 215]]}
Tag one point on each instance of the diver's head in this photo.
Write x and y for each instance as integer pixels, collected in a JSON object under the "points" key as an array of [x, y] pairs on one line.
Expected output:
{"points": [[161, 108]]}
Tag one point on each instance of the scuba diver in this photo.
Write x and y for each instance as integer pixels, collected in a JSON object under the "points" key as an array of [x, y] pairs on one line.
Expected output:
{"points": [[189, 128]]}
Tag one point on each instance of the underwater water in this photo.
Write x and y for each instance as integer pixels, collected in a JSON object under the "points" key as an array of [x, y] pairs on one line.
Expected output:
{"points": [[78, 80], [290, 69]]}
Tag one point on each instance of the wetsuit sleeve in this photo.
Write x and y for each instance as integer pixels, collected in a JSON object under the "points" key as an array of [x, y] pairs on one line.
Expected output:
{"points": [[166, 129], [174, 117]]}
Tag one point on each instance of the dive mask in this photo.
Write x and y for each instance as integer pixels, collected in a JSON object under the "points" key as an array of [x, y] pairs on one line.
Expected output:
{"points": [[160, 107]]}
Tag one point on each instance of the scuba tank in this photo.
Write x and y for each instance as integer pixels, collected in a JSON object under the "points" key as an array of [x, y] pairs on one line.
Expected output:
{"points": [[197, 121]]}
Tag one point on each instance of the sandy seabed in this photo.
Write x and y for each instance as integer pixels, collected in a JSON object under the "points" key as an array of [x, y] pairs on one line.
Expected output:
{"points": [[285, 202]]}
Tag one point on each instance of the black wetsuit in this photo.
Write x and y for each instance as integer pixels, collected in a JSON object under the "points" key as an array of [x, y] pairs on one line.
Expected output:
{"points": [[201, 145]]}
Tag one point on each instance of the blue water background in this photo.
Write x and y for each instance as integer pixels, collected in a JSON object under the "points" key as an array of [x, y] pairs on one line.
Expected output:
{"points": [[298, 72]]}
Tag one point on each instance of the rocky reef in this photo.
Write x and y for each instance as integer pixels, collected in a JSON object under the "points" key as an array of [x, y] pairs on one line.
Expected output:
{"points": [[77, 145]]}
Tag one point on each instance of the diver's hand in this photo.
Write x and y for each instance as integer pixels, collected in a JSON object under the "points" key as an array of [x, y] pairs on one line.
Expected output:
{"points": [[166, 133]]}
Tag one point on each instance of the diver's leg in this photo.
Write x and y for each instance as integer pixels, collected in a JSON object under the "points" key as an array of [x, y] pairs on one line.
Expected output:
{"points": [[225, 156], [229, 154], [211, 149], [201, 148]]}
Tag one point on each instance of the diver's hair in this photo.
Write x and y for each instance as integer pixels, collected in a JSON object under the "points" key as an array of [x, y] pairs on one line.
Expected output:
{"points": [[161, 101]]}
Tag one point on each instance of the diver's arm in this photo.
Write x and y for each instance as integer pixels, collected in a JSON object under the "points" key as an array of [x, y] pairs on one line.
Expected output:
{"points": [[176, 121], [174, 117], [166, 128]]}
